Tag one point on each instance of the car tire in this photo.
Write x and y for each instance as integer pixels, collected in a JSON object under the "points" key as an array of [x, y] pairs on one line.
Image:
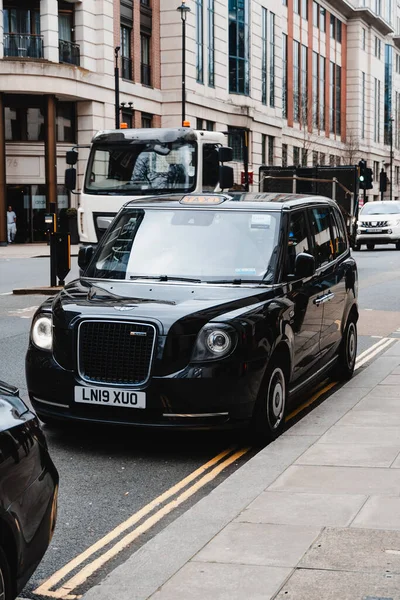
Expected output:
{"points": [[370, 246], [269, 413], [344, 367], [357, 247], [397, 245], [5, 578]]}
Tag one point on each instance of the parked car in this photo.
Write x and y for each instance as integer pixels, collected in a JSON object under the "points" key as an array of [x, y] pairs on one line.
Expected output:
{"points": [[378, 223], [199, 312], [28, 493]]}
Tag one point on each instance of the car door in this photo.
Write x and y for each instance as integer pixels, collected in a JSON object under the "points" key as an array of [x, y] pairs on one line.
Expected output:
{"points": [[329, 247], [306, 319]]}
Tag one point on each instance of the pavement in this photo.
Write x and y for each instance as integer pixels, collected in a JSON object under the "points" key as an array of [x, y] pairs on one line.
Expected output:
{"points": [[313, 516]]}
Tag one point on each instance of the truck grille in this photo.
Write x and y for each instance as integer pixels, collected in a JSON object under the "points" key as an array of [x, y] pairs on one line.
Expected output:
{"points": [[115, 352], [374, 224]]}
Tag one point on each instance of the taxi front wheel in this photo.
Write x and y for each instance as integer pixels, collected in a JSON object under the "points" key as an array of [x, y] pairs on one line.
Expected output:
{"points": [[269, 414]]}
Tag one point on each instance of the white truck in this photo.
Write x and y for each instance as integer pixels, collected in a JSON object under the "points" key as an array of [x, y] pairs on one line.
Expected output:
{"points": [[125, 164]]}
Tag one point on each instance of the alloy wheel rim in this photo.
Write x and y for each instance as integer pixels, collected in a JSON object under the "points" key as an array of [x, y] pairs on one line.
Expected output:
{"points": [[276, 399], [351, 345]]}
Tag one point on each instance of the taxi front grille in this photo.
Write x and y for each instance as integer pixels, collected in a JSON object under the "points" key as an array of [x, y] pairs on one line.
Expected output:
{"points": [[115, 352]]}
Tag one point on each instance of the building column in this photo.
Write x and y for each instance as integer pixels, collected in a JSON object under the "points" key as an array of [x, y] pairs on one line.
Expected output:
{"points": [[50, 148], [3, 190], [1, 30], [49, 29]]}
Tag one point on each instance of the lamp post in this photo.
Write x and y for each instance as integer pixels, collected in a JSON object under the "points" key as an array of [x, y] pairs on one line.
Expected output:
{"points": [[184, 10], [391, 158], [116, 75]]}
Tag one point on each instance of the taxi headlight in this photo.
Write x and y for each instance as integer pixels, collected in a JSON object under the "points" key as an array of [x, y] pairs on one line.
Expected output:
{"points": [[214, 342], [42, 332]]}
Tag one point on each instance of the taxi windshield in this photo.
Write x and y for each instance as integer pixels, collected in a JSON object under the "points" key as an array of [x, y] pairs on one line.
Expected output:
{"points": [[205, 245], [145, 168]]}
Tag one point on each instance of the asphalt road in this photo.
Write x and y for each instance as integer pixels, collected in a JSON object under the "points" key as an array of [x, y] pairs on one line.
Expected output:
{"points": [[108, 476]]}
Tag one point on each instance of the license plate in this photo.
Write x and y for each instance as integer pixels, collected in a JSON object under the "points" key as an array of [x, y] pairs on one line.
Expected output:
{"points": [[110, 397], [374, 230]]}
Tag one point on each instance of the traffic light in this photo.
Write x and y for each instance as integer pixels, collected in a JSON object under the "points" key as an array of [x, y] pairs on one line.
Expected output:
{"points": [[369, 177], [382, 181], [362, 166]]}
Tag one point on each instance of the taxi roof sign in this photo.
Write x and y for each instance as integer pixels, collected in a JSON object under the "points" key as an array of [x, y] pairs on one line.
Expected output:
{"points": [[203, 199]]}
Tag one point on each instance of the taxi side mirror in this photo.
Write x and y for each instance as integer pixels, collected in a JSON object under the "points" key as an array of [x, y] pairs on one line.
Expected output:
{"points": [[304, 265], [85, 256]]}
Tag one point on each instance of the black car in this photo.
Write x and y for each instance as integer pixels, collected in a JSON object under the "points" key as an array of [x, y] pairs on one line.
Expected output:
{"points": [[199, 311], [28, 493]]}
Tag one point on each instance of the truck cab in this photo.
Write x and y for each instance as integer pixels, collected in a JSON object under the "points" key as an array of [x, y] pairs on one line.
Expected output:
{"points": [[126, 164]]}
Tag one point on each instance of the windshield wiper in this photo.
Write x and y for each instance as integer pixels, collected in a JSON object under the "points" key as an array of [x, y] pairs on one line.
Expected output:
{"points": [[239, 281], [165, 278]]}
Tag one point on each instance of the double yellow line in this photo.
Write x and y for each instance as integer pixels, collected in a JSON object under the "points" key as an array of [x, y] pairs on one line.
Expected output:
{"points": [[199, 478]]}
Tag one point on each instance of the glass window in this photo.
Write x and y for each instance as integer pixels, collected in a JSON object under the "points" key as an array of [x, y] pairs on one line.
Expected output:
{"points": [[339, 233], [321, 232], [145, 43], [284, 155], [322, 158], [322, 93], [332, 98], [338, 99], [65, 26], [264, 45], [338, 31], [296, 156], [304, 9], [147, 121], [239, 56], [296, 6], [284, 76], [315, 14], [315, 73], [304, 157], [127, 117], [199, 41], [315, 158], [332, 30], [296, 81], [322, 19], [298, 240], [271, 59], [211, 43], [363, 37], [125, 41], [65, 122], [155, 242], [304, 94], [271, 146], [235, 141], [35, 124]]}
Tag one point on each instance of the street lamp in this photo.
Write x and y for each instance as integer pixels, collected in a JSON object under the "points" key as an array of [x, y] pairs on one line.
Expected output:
{"points": [[184, 10], [391, 157], [116, 76]]}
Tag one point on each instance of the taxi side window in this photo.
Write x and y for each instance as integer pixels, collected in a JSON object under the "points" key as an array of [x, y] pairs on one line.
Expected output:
{"points": [[298, 240], [324, 250], [339, 233]]}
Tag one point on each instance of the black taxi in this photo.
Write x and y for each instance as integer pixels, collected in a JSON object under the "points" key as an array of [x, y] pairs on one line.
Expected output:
{"points": [[199, 312]]}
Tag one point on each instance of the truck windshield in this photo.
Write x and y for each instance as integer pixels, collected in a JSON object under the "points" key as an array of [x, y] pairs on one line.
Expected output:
{"points": [[206, 245], [142, 168]]}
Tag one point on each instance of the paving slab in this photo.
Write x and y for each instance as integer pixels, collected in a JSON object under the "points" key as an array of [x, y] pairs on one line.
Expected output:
{"points": [[351, 549], [349, 455], [339, 480], [393, 350], [339, 585], [375, 373], [311, 510], [379, 512], [381, 393], [373, 418], [391, 380], [197, 581], [355, 434], [259, 544]]}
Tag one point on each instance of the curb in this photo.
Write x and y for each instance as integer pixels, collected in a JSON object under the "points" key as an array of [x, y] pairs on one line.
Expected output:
{"points": [[154, 563]]}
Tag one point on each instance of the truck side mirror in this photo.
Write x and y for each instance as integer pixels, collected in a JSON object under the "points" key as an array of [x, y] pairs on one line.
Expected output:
{"points": [[70, 179], [225, 177], [72, 157], [85, 256], [225, 154]]}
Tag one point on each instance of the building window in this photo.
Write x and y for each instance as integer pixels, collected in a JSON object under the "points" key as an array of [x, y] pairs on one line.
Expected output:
{"points": [[315, 14], [264, 46], [322, 159], [147, 121], [338, 100], [378, 7], [199, 42], [284, 75], [126, 61], [271, 149], [315, 73], [332, 97], [321, 93], [363, 38], [25, 120], [304, 157], [304, 9], [338, 31], [145, 67], [338, 161], [127, 117], [388, 92], [204, 125], [296, 6], [363, 83], [22, 37], [377, 102], [271, 59], [235, 141], [322, 19], [378, 48], [315, 158], [296, 156], [239, 60], [304, 94], [376, 170], [211, 43], [284, 155], [332, 160], [296, 81], [332, 29], [65, 122]]}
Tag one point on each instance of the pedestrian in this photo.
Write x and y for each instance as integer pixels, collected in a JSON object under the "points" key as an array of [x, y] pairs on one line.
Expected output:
{"points": [[11, 225]]}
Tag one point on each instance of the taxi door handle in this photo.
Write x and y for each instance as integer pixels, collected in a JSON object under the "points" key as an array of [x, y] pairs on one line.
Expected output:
{"points": [[322, 299]]}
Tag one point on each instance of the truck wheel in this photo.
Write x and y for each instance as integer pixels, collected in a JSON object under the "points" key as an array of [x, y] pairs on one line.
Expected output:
{"points": [[344, 367], [397, 245], [370, 246], [268, 419], [5, 578]]}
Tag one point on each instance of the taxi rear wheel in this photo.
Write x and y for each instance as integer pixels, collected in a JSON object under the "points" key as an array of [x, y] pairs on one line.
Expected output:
{"points": [[270, 410], [344, 368], [5, 578]]}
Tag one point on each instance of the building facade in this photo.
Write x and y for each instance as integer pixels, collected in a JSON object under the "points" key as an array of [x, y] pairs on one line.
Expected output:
{"points": [[311, 82]]}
